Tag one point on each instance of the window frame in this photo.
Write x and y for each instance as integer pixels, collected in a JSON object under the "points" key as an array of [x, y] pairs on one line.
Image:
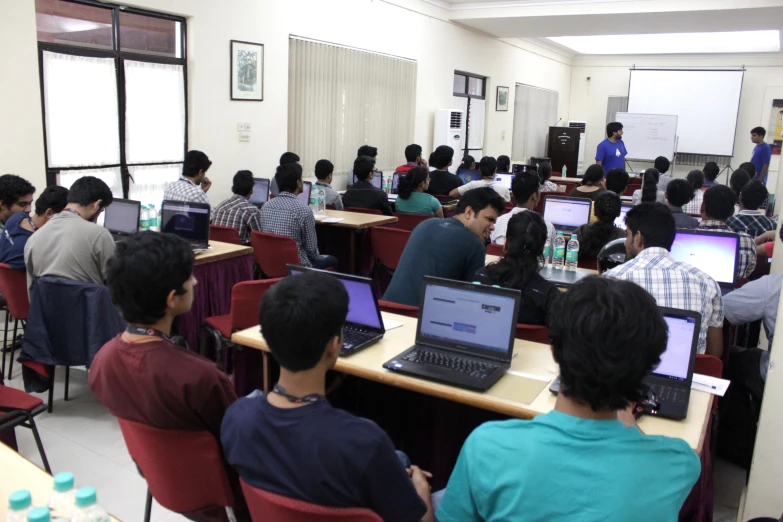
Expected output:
{"points": [[468, 76], [119, 59]]}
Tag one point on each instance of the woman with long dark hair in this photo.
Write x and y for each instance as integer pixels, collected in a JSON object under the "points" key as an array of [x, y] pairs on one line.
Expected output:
{"points": [[696, 179], [467, 169], [649, 191], [412, 197], [593, 236], [592, 183], [526, 237]]}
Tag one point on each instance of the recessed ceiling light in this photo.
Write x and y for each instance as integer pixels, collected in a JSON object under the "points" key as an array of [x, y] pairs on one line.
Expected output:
{"points": [[674, 43]]}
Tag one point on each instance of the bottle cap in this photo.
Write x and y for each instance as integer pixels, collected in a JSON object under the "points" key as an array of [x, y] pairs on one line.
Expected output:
{"points": [[39, 514], [63, 481], [86, 496], [20, 500]]}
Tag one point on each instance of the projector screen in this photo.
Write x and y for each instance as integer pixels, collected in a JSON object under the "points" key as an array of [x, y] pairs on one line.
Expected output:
{"points": [[705, 102]]}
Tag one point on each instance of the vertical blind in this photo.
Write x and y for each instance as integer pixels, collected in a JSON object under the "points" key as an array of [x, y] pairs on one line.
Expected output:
{"points": [[340, 99], [535, 110]]}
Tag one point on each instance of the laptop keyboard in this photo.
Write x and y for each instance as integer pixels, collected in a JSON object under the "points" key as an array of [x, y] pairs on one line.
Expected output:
{"points": [[670, 394], [469, 367], [353, 337]]}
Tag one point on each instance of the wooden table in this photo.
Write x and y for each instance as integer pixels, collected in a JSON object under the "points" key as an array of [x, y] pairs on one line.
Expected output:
{"points": [[354, 221], [220, 251], [492, 259], [531, 358], [16, 472]]}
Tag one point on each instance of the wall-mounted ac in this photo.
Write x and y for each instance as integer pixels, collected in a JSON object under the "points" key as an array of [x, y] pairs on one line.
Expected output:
{"points": [[449, 126], [582, 125]]}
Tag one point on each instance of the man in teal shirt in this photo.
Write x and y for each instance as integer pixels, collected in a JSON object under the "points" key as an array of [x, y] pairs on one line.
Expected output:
{"points": [[587, 460]]}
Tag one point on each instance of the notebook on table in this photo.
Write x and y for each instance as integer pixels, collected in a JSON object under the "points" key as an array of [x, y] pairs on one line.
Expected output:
{"points": [[260, 193], [567, 213], [715, 252], [187, 220], [121, 218]]}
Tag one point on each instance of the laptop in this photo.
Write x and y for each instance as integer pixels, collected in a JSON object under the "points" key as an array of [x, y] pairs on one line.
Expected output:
{"points": [[188, 220], [121, 218], [505, 179], [467, 175], [376, 181], [260, 193], [363, 325], [516, 168], [567, 213], [620, 221], [561, 278], [396, 182], [671, 379], [304, 196], [465, 334], [712, 251]]}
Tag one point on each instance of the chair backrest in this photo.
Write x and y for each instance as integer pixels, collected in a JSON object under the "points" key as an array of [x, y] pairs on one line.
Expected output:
{"points": [[13, 286], [401, 309], [364, 210], [184, 470], [388, 245], [533, 332], [272, 252], [494, 249], [246, 300], [409, 221], [540, 205], [708, 365], [265, 506], [224, 234]]}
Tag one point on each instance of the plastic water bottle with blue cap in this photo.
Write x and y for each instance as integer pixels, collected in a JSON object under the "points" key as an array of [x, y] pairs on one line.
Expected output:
{"points": [[87, 508], [39, 514], [558, 256], [19, 503], [63, 499], [572, 253]]}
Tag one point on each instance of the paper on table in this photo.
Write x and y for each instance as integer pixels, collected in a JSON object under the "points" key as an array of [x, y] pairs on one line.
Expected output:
{"points": [[529, 375], [709, 384], [331, 220], [388, 324]]}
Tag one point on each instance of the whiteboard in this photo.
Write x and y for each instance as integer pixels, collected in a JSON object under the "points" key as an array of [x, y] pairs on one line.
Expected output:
{"points": [[647, 136], [706, 102]]}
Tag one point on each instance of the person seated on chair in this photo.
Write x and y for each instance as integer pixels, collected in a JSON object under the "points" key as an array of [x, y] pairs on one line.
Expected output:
{"points": [[662, 165], [649, 192], [678, 194], [739, 178], [711, 171], [21, 225], [237, 212], [716, 209], [363, 194], [593, 236], [589, 447], [649, 236], [592, 184], [413, 197], [617, 181], [323, 172], [286, 216], [285, 158], [519, 267], [696, 179], [364, 150], [545, 175], [71, 245], [504, 164], [413, 157], [452, 248], [750, 219], [442, 182], [527, 194], [193, 185], [16, 195], [291, 442], [488, 167]]}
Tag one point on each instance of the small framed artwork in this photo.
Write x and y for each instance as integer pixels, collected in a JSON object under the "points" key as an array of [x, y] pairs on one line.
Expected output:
{"points": [[247, 71], [501, 102]]}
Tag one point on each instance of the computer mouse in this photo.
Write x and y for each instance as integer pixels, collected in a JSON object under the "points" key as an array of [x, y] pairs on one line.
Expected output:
{"points": [[647, 406]]}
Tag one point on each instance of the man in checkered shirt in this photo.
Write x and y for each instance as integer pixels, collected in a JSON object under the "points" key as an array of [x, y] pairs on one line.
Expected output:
{"points": [[649, 236], [192, 187], [750, 219], [237, 212], [286, 216], [717, 207]]}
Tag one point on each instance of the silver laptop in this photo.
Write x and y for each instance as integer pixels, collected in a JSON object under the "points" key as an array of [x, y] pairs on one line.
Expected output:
{"points": [[567, 213], [121, 218]]}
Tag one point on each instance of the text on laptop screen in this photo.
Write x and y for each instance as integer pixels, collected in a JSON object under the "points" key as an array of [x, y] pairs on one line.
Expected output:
{"points": [[185, 220], [714, 255], [467, 317], [505, 179], [122, 217], [677, 357], [566, 212], [304, 196], [620, 221], [361, 303], [260, 191]]}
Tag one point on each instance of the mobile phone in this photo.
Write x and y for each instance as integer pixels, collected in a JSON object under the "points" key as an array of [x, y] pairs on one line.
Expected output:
{"points": [[555, 388]]}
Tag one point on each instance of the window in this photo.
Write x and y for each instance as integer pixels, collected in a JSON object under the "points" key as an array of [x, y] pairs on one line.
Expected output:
{"points": [[113, 83], [469, 97]]}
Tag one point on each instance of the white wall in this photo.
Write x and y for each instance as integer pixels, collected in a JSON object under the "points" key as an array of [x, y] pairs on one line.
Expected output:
{"points": [[412, 29]]}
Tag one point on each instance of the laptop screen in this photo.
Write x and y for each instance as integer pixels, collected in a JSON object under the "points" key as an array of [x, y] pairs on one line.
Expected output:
{"points": [[376, 181], [518, 167], [185, 220], [505, 179], [304, 196], [260, 191], [468, 175], [677, 357], [122, 216], [468, 317], [395, 182], [620, 221], [567, 212], [714, 254]]}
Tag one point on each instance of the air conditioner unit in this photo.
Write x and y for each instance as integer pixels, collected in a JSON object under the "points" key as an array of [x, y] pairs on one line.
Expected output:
{"points": [[583, 126], [449, 128]]}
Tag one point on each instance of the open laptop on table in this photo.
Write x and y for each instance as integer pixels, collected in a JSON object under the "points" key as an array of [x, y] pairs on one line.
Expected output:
{"points": [[517, 168], [465, 334], [567, 213], [376, 181], [188, 220], [715, 252], [505, 179], [260, 193], [363, 325], [122, 218], [620, 221], [304, 196]]}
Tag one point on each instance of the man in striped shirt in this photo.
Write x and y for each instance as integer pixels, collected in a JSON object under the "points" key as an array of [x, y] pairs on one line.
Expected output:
{"points": [[237, 212], [717, 207], [750, 219], [192, 187]]}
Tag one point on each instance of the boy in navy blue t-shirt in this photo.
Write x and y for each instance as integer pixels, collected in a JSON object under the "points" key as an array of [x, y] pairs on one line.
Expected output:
{"points": [[762, 153], [611, 152]]}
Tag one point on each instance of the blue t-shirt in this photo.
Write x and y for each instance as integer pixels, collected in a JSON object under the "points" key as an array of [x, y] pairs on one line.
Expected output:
{"points": [[762, 154], [418, 203], [560, 467], [611, 155], [318, 454], [12, 241]]}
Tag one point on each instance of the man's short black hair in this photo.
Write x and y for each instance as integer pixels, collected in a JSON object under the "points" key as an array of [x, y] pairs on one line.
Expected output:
{"points": [[544, 171], [749, 167], [300, 315], [480, 198], [54, 197], [88, 190], [753, 195], [362, 167], [679, 192], [412, 152], [243, 183], [662, 164], [696, 179], [719, 202], [612, 128], [441, 157], [596, 366], [617, 181], [504, 163], [655, 222], [366, 150], [487, 166], [13, 187], [739, 178], [288, 157], [323, 168], [145, 268], [287, 175], [711, 170], [759, 131], [195, 162], [524, 185]]}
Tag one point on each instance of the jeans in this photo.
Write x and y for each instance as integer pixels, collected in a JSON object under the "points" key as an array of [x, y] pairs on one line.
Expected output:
{"points": [[324, 262], [436, 496]]}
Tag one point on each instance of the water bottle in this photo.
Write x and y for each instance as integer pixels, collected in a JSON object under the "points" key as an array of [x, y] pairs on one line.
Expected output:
{"points": [[564, 171], [145, 218], [39, 514], [63, 499], [558, 257], [19, 503], [87, 508], [547, 252], [387, 185], [572, 253], [314, 201], [154, 219], [321, 201]]}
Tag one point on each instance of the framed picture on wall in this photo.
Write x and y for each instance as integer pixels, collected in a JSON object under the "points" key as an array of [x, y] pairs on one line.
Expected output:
{"points": [[247, 71], [501, 102]]}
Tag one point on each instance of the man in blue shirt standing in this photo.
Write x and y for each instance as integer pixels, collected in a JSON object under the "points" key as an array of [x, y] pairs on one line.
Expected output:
{"points": [[762, 153], [611, 152]]}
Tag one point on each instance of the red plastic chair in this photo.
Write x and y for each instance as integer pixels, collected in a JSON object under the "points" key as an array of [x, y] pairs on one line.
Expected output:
{"points": [[364, 210], [265, 506], [495, 250], [272, 252], [13, 286], [400, 309], [409, 221], [224, 234], [184, 470], [533, 332], [388, 245], [540, 206], [18, 408], [591, 264]]}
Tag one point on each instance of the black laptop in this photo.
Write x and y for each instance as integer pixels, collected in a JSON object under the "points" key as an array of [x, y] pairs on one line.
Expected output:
{"points": [[260, 193], [187, 220], [121, 218], [715, 252], [465, 334], [364, 324]]}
